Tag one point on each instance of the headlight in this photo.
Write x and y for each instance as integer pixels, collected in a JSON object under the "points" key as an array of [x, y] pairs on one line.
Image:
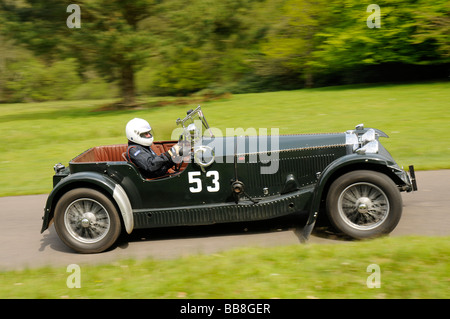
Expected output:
{"points": [[369, 148], [366, 143], [367, 137]]}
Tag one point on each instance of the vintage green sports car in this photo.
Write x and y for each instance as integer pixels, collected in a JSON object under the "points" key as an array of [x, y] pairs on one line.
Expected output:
{"points": [[349, 176]]}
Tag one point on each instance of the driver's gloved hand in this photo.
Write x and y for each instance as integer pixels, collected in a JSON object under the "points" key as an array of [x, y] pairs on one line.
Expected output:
{"points": [[175, 154], [175, 151]]}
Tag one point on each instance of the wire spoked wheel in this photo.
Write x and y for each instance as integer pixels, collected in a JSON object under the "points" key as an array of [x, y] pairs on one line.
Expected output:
{"points": [[87, 220], [364, 204]]}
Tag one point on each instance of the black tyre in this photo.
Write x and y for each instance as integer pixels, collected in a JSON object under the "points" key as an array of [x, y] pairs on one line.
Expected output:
{"points": [[87, 220], [364, 204]]}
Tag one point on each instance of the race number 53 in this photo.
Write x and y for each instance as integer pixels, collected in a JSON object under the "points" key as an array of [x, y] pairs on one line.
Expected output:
{"points": [[212, 182]]}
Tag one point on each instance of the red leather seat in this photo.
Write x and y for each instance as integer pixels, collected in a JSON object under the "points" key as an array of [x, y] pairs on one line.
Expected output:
{"points": [[117, 153], [113, 153], [109, 153]]}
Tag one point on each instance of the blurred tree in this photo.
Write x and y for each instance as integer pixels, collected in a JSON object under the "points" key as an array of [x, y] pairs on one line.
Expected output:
{"points": [[293, 40], [332, 37], [23, 77], [179, 47], [7, 53], [28, 79], [204, 43], [110, 38], [433, 24], [404, 38]]}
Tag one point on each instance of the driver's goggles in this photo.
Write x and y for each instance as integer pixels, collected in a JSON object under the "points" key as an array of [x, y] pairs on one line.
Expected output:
{"points": [[147, 134]]}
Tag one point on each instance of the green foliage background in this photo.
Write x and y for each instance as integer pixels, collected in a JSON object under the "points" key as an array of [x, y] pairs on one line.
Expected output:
{"points": [[175, 47]]}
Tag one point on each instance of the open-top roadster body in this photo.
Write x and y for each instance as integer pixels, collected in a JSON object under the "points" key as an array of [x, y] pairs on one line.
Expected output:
{"points": [[349, 176]]}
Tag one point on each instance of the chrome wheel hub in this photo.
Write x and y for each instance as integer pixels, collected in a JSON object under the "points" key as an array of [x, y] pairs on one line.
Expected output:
{"points": [[87, 220], [363, 205]]}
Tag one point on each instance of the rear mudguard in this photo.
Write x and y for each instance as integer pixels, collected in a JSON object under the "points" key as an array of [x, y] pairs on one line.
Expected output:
{"points": [[96, 181]]}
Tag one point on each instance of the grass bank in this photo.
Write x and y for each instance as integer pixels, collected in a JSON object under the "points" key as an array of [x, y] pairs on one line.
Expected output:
{"points": [[35, 136], [409, 267]]}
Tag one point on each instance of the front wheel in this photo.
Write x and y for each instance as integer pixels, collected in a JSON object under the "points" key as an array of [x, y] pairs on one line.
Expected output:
{"points": [[364, 204], [87, 220]]}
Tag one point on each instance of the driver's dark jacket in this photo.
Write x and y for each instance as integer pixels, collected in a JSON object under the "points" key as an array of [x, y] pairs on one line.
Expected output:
{"points": [[149, 163]]}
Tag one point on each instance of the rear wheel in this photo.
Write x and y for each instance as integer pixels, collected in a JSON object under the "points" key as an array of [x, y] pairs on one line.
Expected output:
{"points": [[87, 221], [364, 204]]}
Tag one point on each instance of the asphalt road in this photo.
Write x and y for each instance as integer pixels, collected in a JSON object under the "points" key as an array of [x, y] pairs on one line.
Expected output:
{"points": [[426, 212]]}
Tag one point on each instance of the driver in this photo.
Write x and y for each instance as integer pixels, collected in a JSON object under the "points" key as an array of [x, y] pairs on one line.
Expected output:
{"points": [[140, 138]]}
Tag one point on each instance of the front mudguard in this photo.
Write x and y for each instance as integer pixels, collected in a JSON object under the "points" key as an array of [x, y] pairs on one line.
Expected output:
{"points": [[375, 162], [93, 180]]}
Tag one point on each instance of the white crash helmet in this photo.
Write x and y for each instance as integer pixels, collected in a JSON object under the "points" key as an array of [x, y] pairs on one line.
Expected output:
{"points": [[139, 131]]}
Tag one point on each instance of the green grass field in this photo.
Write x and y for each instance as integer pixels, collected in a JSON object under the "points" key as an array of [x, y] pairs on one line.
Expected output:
{"points": [[35, 136], [409, 267]]}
